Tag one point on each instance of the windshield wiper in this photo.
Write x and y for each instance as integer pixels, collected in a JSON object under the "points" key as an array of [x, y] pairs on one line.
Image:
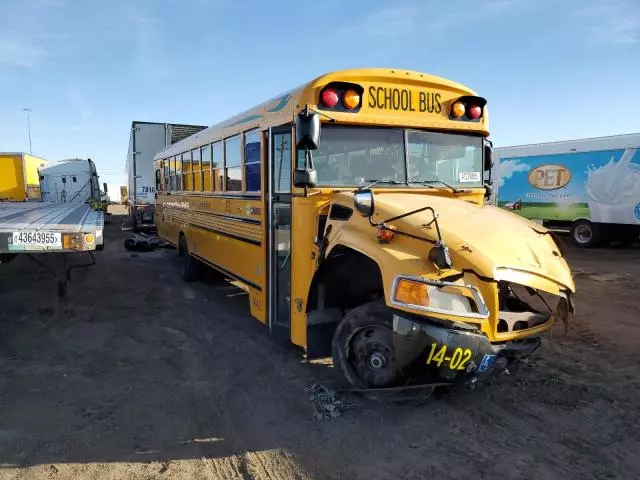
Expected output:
{"points": [[388, 181], [429, 182]]}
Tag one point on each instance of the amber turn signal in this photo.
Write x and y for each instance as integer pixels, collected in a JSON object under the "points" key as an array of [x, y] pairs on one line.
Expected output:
{"points": [[350, 99], [411, 293], [457, 109]]}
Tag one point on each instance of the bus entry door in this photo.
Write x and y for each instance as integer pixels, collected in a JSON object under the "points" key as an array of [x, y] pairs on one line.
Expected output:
{"points": [[279, 232]]}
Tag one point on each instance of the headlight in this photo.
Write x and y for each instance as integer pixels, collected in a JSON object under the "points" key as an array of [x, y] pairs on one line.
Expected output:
{"points": [[439, 297]]}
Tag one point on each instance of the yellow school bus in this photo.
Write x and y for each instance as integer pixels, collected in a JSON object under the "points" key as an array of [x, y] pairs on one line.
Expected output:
{"points": [[352, 210]]}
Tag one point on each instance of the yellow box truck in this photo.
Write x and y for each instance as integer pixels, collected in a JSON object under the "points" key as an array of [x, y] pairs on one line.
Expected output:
{"points": [[19, 177]]}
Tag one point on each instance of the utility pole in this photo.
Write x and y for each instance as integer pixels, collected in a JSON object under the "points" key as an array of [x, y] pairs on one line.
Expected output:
{"points": [[28, 110]]}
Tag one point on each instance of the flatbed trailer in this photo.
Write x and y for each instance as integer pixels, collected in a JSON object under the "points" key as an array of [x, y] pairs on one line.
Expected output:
{"points": [[51, 230]]}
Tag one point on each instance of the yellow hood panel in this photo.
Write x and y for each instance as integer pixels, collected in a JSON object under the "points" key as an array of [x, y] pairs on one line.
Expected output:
{"points": [[486, 239]]}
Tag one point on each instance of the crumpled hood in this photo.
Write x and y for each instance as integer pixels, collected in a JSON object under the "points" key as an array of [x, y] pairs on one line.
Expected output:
{"points": [[484, 238]]}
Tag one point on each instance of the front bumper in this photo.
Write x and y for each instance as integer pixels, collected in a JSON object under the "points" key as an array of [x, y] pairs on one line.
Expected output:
{"points": [[431, 352]]}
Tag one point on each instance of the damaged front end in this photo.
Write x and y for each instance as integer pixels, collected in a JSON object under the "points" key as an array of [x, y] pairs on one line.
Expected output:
{"points": [[463, 301], [431, 349], [524, 308]]}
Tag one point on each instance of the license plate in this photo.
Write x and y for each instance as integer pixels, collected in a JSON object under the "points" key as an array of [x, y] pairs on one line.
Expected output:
{"points": [[442, 356], [35, 241]]}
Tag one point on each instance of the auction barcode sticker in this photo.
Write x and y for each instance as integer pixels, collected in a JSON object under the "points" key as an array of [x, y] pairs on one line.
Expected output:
{"points": [[468, 177]]}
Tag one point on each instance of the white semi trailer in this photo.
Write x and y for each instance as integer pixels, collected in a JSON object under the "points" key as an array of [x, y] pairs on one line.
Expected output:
{"points": [[147, 139], [70, 181]]}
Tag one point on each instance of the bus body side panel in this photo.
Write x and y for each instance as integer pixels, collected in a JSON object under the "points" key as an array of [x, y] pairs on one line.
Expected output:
{"points": [[167, 228], [223, 232], [304, 253]]}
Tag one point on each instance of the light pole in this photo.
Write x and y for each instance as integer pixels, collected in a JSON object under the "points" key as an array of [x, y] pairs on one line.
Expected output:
{"points": [[28, 110]]}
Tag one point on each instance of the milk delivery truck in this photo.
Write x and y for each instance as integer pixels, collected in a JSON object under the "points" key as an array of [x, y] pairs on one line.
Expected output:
{"points": [[147, 139], [590, 187]]}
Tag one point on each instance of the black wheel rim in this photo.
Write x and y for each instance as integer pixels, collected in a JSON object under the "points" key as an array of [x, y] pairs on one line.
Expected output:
{"points": [[371, 357], [583, 234]]}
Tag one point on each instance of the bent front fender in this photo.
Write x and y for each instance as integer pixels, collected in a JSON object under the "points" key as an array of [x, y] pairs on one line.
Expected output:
{"points": [[392, 259]]}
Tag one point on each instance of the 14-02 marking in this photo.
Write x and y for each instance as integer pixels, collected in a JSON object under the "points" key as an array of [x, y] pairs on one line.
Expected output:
{"points": [[457, 361]]}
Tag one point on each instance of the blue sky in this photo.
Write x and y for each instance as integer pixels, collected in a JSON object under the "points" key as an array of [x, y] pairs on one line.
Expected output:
{"points": [[551, 70]]}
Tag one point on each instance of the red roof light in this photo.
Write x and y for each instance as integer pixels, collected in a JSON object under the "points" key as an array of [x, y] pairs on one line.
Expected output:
{"points": [[329, 97], [474, 112]]}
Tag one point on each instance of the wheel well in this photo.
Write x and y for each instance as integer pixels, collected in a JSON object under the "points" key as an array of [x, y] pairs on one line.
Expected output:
{"points": [[345, 279]]}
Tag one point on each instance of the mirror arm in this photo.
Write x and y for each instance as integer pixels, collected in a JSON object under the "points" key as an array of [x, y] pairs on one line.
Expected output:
{"points": [[382, 226], [433, 221], [308, 159], [310, 110]]}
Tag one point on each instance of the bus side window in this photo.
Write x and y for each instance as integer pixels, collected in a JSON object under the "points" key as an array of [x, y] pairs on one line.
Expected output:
{"points": [[205, 155], [233, 164], [165, 166], [252, 160], [187, 172], [218, 171], [196, 170], [172, 169], [179, 185]]}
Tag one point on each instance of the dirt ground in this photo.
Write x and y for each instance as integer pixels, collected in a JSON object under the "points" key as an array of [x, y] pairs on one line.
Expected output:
{"points": [[148, 378]]}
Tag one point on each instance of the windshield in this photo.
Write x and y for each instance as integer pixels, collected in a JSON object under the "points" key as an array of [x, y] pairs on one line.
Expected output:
{"points": [[352, 156]]}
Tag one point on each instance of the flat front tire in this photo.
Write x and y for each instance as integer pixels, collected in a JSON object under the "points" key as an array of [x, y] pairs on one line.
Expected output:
{"points": [[362, 348]]}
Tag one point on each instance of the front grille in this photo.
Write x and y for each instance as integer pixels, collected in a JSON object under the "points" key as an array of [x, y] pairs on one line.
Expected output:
{"points": [[523, 308]]}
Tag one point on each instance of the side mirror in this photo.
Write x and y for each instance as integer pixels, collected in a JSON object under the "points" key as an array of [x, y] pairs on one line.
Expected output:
{"points": [[307, 130], [488, 157], [307, 139], [105, 187], [363, 202], [305, 178]]}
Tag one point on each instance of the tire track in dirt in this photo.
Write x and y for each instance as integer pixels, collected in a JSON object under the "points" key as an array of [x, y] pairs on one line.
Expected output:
{"points": [[274, 465], [231, 468]]}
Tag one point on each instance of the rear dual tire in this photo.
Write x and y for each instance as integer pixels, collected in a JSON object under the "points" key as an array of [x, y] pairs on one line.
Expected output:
{"points": [[189, 268], [586, 234]]}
